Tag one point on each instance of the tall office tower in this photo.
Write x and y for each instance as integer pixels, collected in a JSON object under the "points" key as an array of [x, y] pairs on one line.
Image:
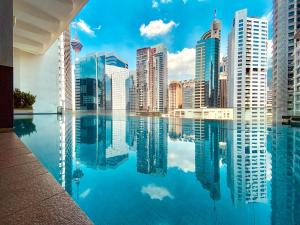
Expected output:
{"points": [[247, 161], [223, 76], [285, 24], [118, 76], [65, 71], [297, 74], [269, 102], [95, 74], [152, 79], [152, 146], [175, 95], [188, 93], [207, 67], [207, 156], [247, 54], [131, 92]]}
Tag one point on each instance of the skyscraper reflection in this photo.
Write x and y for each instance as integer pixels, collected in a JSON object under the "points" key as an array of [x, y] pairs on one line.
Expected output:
{"points": [[152, 146], [207, 156], [247, 161], [285, 176]]}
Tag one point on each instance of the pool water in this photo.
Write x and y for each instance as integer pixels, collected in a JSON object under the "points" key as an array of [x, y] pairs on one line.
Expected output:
{"points": [[148, 170]]}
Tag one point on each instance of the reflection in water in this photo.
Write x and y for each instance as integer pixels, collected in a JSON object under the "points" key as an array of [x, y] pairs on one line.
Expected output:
{"points": [[286, 176], [152, 146], [238, 148]]}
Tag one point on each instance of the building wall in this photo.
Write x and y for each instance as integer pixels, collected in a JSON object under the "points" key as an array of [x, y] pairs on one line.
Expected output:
{"points": [[285, 25], [188, 91], [152, 79], [207, 67], [175, 95], [249, 69], [39, 74], [118, 77], [297, 75]]}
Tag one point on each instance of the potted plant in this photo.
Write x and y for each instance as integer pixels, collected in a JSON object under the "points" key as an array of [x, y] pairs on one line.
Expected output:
{"points": [[23, 102]]}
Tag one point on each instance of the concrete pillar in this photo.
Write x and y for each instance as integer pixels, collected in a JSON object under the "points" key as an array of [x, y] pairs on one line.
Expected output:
{"points": [[6, 64]]}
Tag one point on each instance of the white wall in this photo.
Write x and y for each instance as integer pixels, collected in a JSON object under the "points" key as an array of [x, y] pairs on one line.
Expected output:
{"points": [[39, 75]]}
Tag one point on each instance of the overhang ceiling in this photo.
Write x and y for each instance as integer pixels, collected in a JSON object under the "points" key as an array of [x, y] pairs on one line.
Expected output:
{"points": [[38, 23]]}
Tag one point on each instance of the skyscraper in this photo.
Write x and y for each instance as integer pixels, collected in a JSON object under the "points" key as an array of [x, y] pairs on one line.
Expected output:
{"points": [[285, 24], [65, 73], [247, 70], [96, 74], [207, 67], [223, 76], [297, 75], [152, 79], [188, 91], [175, 95]]}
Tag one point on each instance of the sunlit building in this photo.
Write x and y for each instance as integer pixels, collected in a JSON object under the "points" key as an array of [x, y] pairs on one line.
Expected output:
{"points": [[175, 95], [285, 25], [95, 75], [247, 70], [152, 79], [297, 74], [188, 93], [207, 67]]}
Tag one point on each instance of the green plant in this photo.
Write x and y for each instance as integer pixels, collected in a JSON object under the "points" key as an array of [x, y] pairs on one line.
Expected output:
{"points": [[23, 100]]}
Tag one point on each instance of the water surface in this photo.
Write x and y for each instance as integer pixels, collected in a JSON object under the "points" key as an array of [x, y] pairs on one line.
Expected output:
{"points": [[147, 170]]}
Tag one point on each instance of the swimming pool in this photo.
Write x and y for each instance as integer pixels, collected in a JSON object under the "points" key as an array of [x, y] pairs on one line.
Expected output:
{"points": [[149, 170]]}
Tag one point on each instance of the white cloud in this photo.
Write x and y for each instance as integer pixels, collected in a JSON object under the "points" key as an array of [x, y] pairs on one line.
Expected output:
{"points": [[165, 1], [154, 4], [156, 28], [184, 1], [85, 193], [182, 156], [181, 64], [270, 53], [156, 192], [83, 26]]}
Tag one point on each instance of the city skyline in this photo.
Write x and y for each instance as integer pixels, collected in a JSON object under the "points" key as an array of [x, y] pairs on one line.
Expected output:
{"points": [[160, 24]]}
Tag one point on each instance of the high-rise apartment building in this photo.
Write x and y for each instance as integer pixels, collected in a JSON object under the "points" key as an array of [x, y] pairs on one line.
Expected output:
{"points": [[65, 70], [188, 93], [175, 95], [247, 71], [207, 67], [223, 76], [96, 75], [297, 75], [286, 17], [152, 79], [131, 92]]}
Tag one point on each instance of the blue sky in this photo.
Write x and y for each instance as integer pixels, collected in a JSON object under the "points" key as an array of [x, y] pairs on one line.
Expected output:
{"points": [[122, 26]]}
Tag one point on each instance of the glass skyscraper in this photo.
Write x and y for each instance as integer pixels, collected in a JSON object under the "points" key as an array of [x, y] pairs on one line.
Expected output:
{"points": [[207, 67], [93, 83]]}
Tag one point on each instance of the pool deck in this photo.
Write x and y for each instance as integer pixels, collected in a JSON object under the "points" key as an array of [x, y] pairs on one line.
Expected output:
{"points": [[29, 194]]}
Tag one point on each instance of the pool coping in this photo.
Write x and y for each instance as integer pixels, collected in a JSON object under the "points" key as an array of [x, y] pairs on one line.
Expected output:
{"points": [[29, 194]]}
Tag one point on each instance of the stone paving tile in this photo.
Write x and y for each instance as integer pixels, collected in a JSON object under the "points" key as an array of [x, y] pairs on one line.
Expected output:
{"points": [[17, 160], [59, 209], [14, 174], [27, 192]]}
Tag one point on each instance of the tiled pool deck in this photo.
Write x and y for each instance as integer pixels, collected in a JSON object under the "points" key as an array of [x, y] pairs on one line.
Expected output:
{"points": [[28, 193]]}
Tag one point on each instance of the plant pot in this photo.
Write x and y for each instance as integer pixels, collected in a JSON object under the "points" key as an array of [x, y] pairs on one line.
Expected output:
{"points": [[23, 111]]}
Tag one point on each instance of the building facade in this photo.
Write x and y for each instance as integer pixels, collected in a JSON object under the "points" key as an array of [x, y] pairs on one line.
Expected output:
{"points": [[297, 75], [188, 93], [175, 95], [96, 75], [207, 67], [286, 17], [131, 92], [248, 66], [152, 79]]}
